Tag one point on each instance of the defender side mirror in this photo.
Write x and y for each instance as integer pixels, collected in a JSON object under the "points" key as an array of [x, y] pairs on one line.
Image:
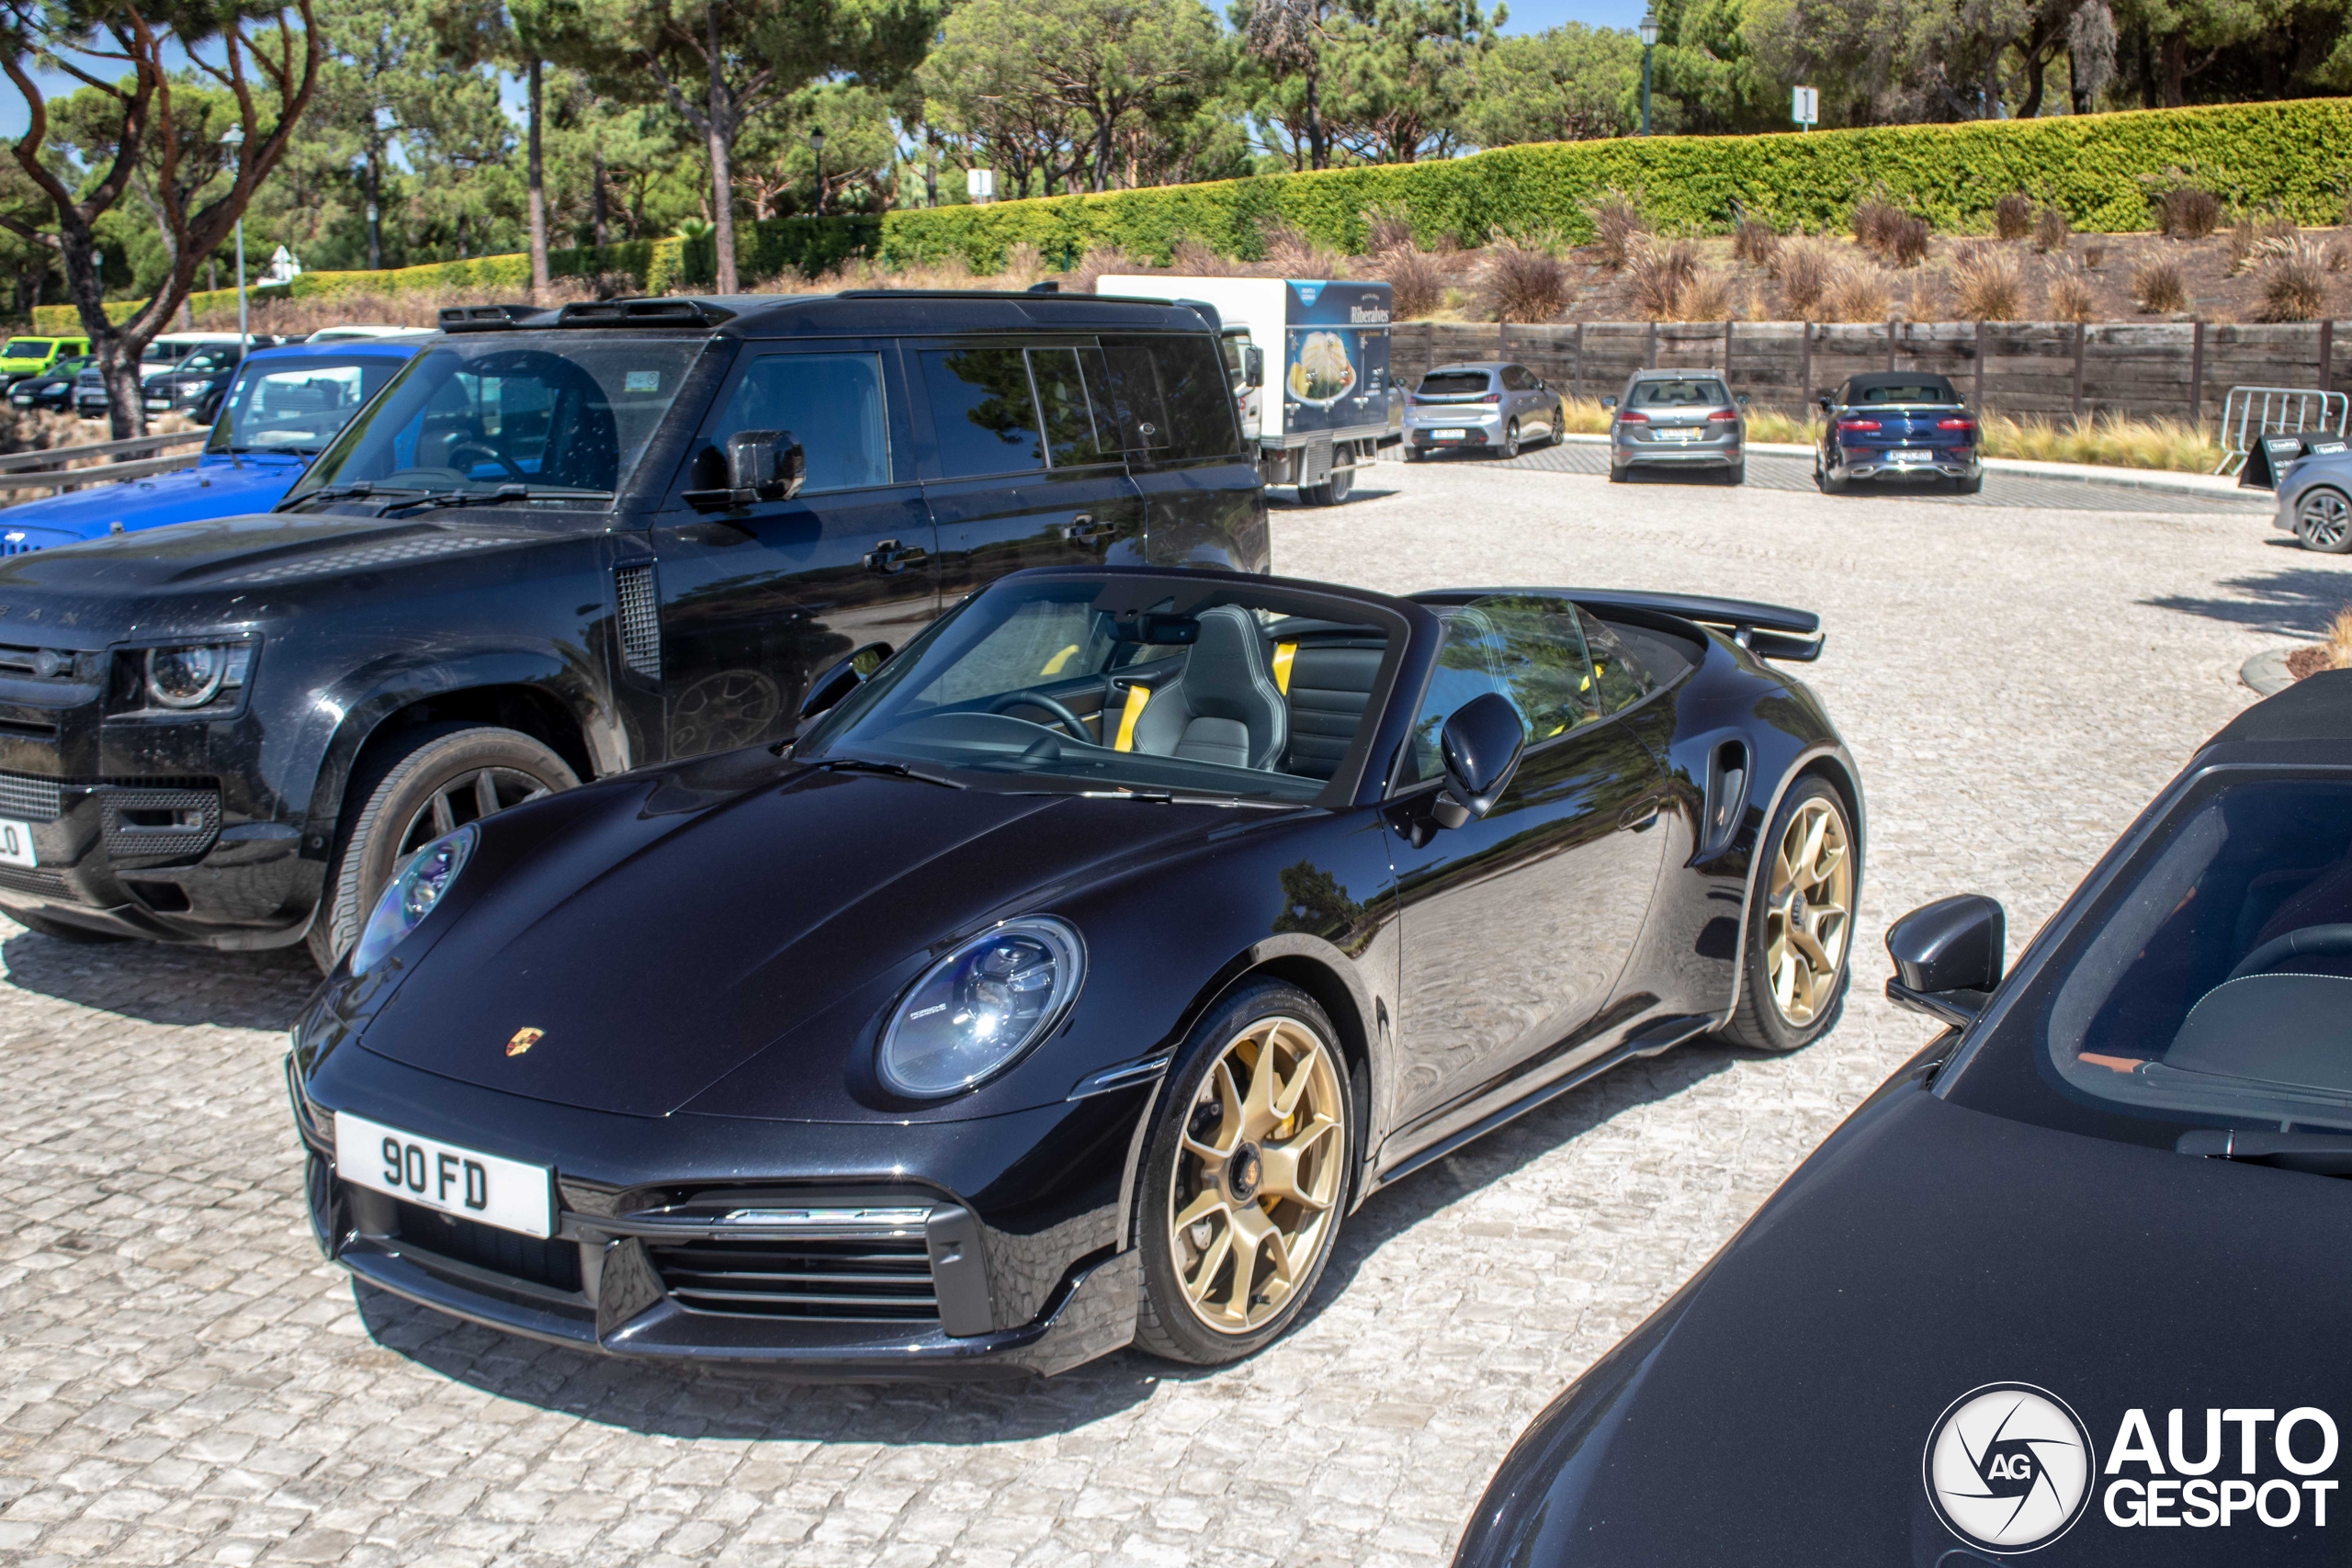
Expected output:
{"points": [[1481, 744], [1253, 366], [762, 465], [1948, 957], [844, 678]]}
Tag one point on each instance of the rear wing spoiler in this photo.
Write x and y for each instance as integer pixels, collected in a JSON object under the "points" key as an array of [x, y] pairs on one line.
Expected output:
{"points": [[1769, 631], [2272, 455]]}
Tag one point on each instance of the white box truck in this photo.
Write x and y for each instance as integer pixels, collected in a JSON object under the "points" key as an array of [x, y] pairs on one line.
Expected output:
{"points": [[1329, 406]]}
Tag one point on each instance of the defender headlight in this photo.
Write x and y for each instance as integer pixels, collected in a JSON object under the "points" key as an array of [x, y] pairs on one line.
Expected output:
{"points": [[411, 895], [982, 1006], [185, 678]]}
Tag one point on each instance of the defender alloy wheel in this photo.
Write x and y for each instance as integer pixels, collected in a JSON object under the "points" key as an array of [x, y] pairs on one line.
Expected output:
{"points": [[2324, 521], [1247, 1178], [1800, 924]]}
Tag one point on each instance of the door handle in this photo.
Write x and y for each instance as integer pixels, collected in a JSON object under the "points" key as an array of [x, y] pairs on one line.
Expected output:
{"points": [[1640, 816], [1083, 530], [890, 557]]}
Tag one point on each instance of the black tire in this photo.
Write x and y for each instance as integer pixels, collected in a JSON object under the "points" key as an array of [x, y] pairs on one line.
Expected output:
{"points": [[1738, 473], [1762, 1022], [1167, 1324], [1559, 424], [1342, 485], [390, 813], [1510, 441], [1973, 484], [1616, 473], [1830, 483], [81, 936], [1412, 454], [2324, 521]]}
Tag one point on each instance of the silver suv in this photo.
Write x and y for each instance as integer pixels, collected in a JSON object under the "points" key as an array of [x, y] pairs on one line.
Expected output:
{"points": [[1485, 405], [1680, 419]]}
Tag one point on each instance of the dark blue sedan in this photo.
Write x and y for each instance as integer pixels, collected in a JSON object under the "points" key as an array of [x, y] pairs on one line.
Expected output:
{"points": [[1897, 426], [284, 407]]}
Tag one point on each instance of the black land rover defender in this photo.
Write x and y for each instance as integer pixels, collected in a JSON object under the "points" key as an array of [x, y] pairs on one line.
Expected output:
{"points": [[558, 544]]}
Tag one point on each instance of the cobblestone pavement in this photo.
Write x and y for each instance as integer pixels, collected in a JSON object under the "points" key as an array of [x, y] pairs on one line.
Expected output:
{"points": [[182, 1379]]}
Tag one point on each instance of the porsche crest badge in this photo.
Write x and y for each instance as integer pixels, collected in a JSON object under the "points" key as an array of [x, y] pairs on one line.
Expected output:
{"points": [[524, 1040]]}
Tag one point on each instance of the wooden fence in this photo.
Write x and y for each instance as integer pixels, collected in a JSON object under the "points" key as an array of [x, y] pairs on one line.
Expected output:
{"points": [[2176, 370]]}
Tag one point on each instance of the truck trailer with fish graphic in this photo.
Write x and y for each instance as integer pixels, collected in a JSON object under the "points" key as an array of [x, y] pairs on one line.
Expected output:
{"points": [[1328, 405]]}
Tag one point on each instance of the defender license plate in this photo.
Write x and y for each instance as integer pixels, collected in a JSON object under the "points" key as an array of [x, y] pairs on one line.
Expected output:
{"points": [[16, 844], [445, 1178]]}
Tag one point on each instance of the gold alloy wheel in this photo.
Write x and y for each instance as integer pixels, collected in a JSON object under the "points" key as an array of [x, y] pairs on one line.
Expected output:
{"points": [[1257, 1175], [1807, 910]]}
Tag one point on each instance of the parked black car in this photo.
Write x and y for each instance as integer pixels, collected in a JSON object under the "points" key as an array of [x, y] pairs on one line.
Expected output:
{"points": [[562, 545], [51, 390], [1897, 425], [2078, 1270], [195, 384], [1121, 933]]}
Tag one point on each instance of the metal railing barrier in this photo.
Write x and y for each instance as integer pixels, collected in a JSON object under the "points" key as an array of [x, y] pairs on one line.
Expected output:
{"points": [[2252, 413]]}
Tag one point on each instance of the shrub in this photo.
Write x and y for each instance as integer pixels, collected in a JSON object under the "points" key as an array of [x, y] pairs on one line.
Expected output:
{"points": [[1907, 242], [1858, 291], [1988, 285], [1754, 243], [1418, 279], [2293, 279], [1523, 283], [2051, 231], [2248, 234], [2070, 294], [1874, 222], [1618, 228], [2187, 212], [2109, 440], [1706, 295], [1195, 259], [1804, 266], [1661, 271], [2013, 216], [1286, 252], [2094, 257], [1388, 227], [2159, 285]]}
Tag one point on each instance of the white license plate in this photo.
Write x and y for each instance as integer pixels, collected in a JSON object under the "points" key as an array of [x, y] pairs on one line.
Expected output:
{"points": [[159, 402], [1679, 435], [16, 844], [1905, 456], [1447, 434], [445, 1178]]}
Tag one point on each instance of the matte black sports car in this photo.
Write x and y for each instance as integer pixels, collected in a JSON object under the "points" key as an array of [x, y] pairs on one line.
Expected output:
{"points": [[2073, 1278], [1072, 976]]}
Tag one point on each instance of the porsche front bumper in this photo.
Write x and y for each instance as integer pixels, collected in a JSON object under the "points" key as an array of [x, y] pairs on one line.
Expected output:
{"points": [[852, 1255]]}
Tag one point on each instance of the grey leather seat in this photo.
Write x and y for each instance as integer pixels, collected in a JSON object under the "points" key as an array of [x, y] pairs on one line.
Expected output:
{"points": [[1225, 707]]}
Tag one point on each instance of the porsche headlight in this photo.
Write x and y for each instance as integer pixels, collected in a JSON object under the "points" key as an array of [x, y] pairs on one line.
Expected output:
{"points": [[191, 677], [411, 895], [982, 1006]]}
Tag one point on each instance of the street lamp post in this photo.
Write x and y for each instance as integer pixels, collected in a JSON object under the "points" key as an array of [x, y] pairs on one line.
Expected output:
{"points": [[1649, 41], [817, 146], [234, 141]]}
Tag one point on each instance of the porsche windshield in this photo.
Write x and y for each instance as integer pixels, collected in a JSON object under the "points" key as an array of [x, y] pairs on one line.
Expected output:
{"points": [[2213, 983], [565, 413], [1120, 685]]}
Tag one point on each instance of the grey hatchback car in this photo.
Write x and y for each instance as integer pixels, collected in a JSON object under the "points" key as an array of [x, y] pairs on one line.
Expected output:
{"points": [[1482, 405], [2315, 493], [1681, 419]]}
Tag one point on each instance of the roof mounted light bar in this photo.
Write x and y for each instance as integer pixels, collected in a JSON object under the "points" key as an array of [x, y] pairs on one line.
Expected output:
{"points": [[484, 318], [643, 314]]}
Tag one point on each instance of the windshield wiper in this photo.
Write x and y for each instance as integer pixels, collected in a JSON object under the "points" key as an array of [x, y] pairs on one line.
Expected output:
{"points": [[2321, 1154], [503, 496], [895, 770], [359, 491]]}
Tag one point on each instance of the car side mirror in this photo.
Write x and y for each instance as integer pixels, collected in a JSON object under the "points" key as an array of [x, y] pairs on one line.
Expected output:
{"points": [[1253, 366], [1741, 400], [1481, 745], [762, 465], [844, 678], [1609, 403], [1948, 957], [1825, 400]]}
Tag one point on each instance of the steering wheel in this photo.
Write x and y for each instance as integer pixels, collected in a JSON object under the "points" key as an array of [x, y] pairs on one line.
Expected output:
{"points": [[2333, 941], [1062, 716], [459, 448]]}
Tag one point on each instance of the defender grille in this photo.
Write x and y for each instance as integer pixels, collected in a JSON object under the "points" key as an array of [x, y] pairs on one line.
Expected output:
{"points": [[883, 1280], [555, 1264], [160, 821], [28, 796], [640, 620]]}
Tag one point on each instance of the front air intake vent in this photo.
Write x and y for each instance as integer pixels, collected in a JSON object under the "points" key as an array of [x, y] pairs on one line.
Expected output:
{"points": [[640, 621], [884, 1280]]}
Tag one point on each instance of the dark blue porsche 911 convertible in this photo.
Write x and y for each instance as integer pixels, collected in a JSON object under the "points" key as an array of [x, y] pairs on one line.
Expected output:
{"points": [[2073, 1281], [1072, 975]]}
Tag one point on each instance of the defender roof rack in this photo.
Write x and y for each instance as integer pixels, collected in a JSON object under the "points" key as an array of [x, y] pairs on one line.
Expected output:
{"points": [[484, 318], [643, 314]]}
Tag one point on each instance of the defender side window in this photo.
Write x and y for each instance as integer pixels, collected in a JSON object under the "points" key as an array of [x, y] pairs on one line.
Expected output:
{"points": [[830, 403], [981, 410], [1195, 392]]}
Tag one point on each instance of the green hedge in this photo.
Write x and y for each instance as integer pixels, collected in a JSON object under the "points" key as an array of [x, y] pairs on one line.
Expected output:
{"points": [[2294, 156]]}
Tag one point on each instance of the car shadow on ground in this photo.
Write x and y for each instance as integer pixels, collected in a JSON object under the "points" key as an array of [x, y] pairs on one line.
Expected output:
{"points": [[748, 1404], [2296, 599], [157, 984]]}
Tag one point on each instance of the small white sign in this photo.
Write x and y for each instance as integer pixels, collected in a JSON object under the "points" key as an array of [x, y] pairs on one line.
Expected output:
{"points": [[980, 184], [1804, 105]]}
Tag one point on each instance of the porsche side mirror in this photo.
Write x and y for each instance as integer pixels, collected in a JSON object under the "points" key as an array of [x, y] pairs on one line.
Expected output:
{"points": [[844, 678], [1826, 402], [1481, 744], [1253, 366], [1948, 957]]}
